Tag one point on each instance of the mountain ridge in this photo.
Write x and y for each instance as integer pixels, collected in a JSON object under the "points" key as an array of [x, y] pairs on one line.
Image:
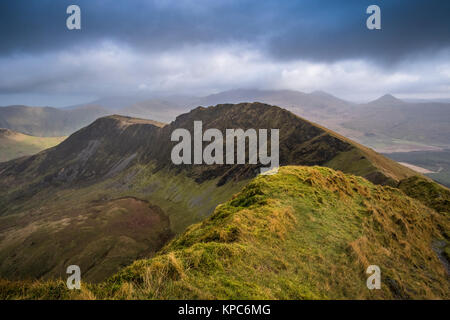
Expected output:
{"points": [[309, 232], [117, 157]]}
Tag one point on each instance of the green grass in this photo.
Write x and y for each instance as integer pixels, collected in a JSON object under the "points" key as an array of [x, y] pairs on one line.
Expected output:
{"points": [[183, 199], [85, 217], [100, 237], [436, 161], [352, 161], [430, 193], [304, 233], [16, 145]]}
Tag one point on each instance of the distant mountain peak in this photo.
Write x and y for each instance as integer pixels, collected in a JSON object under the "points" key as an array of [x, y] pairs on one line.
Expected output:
{"points": [[321, 93], [388, 98]]}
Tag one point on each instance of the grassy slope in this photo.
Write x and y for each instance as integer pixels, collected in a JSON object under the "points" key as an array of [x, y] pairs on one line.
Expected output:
{"points": [[100, 237], [14, 144], [430, 193], [88, 218], [184, 200], [176, 192], [364, 161], [306, 232]]}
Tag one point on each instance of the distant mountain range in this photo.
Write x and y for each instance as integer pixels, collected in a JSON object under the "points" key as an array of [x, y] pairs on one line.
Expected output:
{"points": [[389, 117], [387, 124], [48, 121]]}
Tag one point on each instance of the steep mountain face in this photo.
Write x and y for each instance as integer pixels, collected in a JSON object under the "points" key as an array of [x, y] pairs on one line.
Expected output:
{"points": [[14, 144], [47, 121], [117, 157], [301, 142], [303, 233]]}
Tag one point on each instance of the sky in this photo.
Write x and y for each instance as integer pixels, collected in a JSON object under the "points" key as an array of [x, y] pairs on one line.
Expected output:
{"points": [[198, 47]]}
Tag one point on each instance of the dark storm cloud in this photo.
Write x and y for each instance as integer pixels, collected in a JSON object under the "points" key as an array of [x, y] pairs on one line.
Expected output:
{"points": [[283, 30], [134, 47], [409, 29], [29, 26]]}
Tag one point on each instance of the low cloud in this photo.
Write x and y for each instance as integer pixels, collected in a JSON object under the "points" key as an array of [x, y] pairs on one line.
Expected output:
{"points": [[201, 47], [111, 69]]}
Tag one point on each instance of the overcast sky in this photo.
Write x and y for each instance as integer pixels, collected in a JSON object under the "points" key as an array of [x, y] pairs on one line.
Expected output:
{"points": [[137, 47]]}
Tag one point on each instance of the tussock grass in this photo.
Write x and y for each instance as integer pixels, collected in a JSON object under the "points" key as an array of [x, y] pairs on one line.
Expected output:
{"points": [[430, 193], [304, 233]]}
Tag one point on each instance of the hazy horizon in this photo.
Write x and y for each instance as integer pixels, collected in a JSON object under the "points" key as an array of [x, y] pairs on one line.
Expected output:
{"points": [[148, 96]]}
